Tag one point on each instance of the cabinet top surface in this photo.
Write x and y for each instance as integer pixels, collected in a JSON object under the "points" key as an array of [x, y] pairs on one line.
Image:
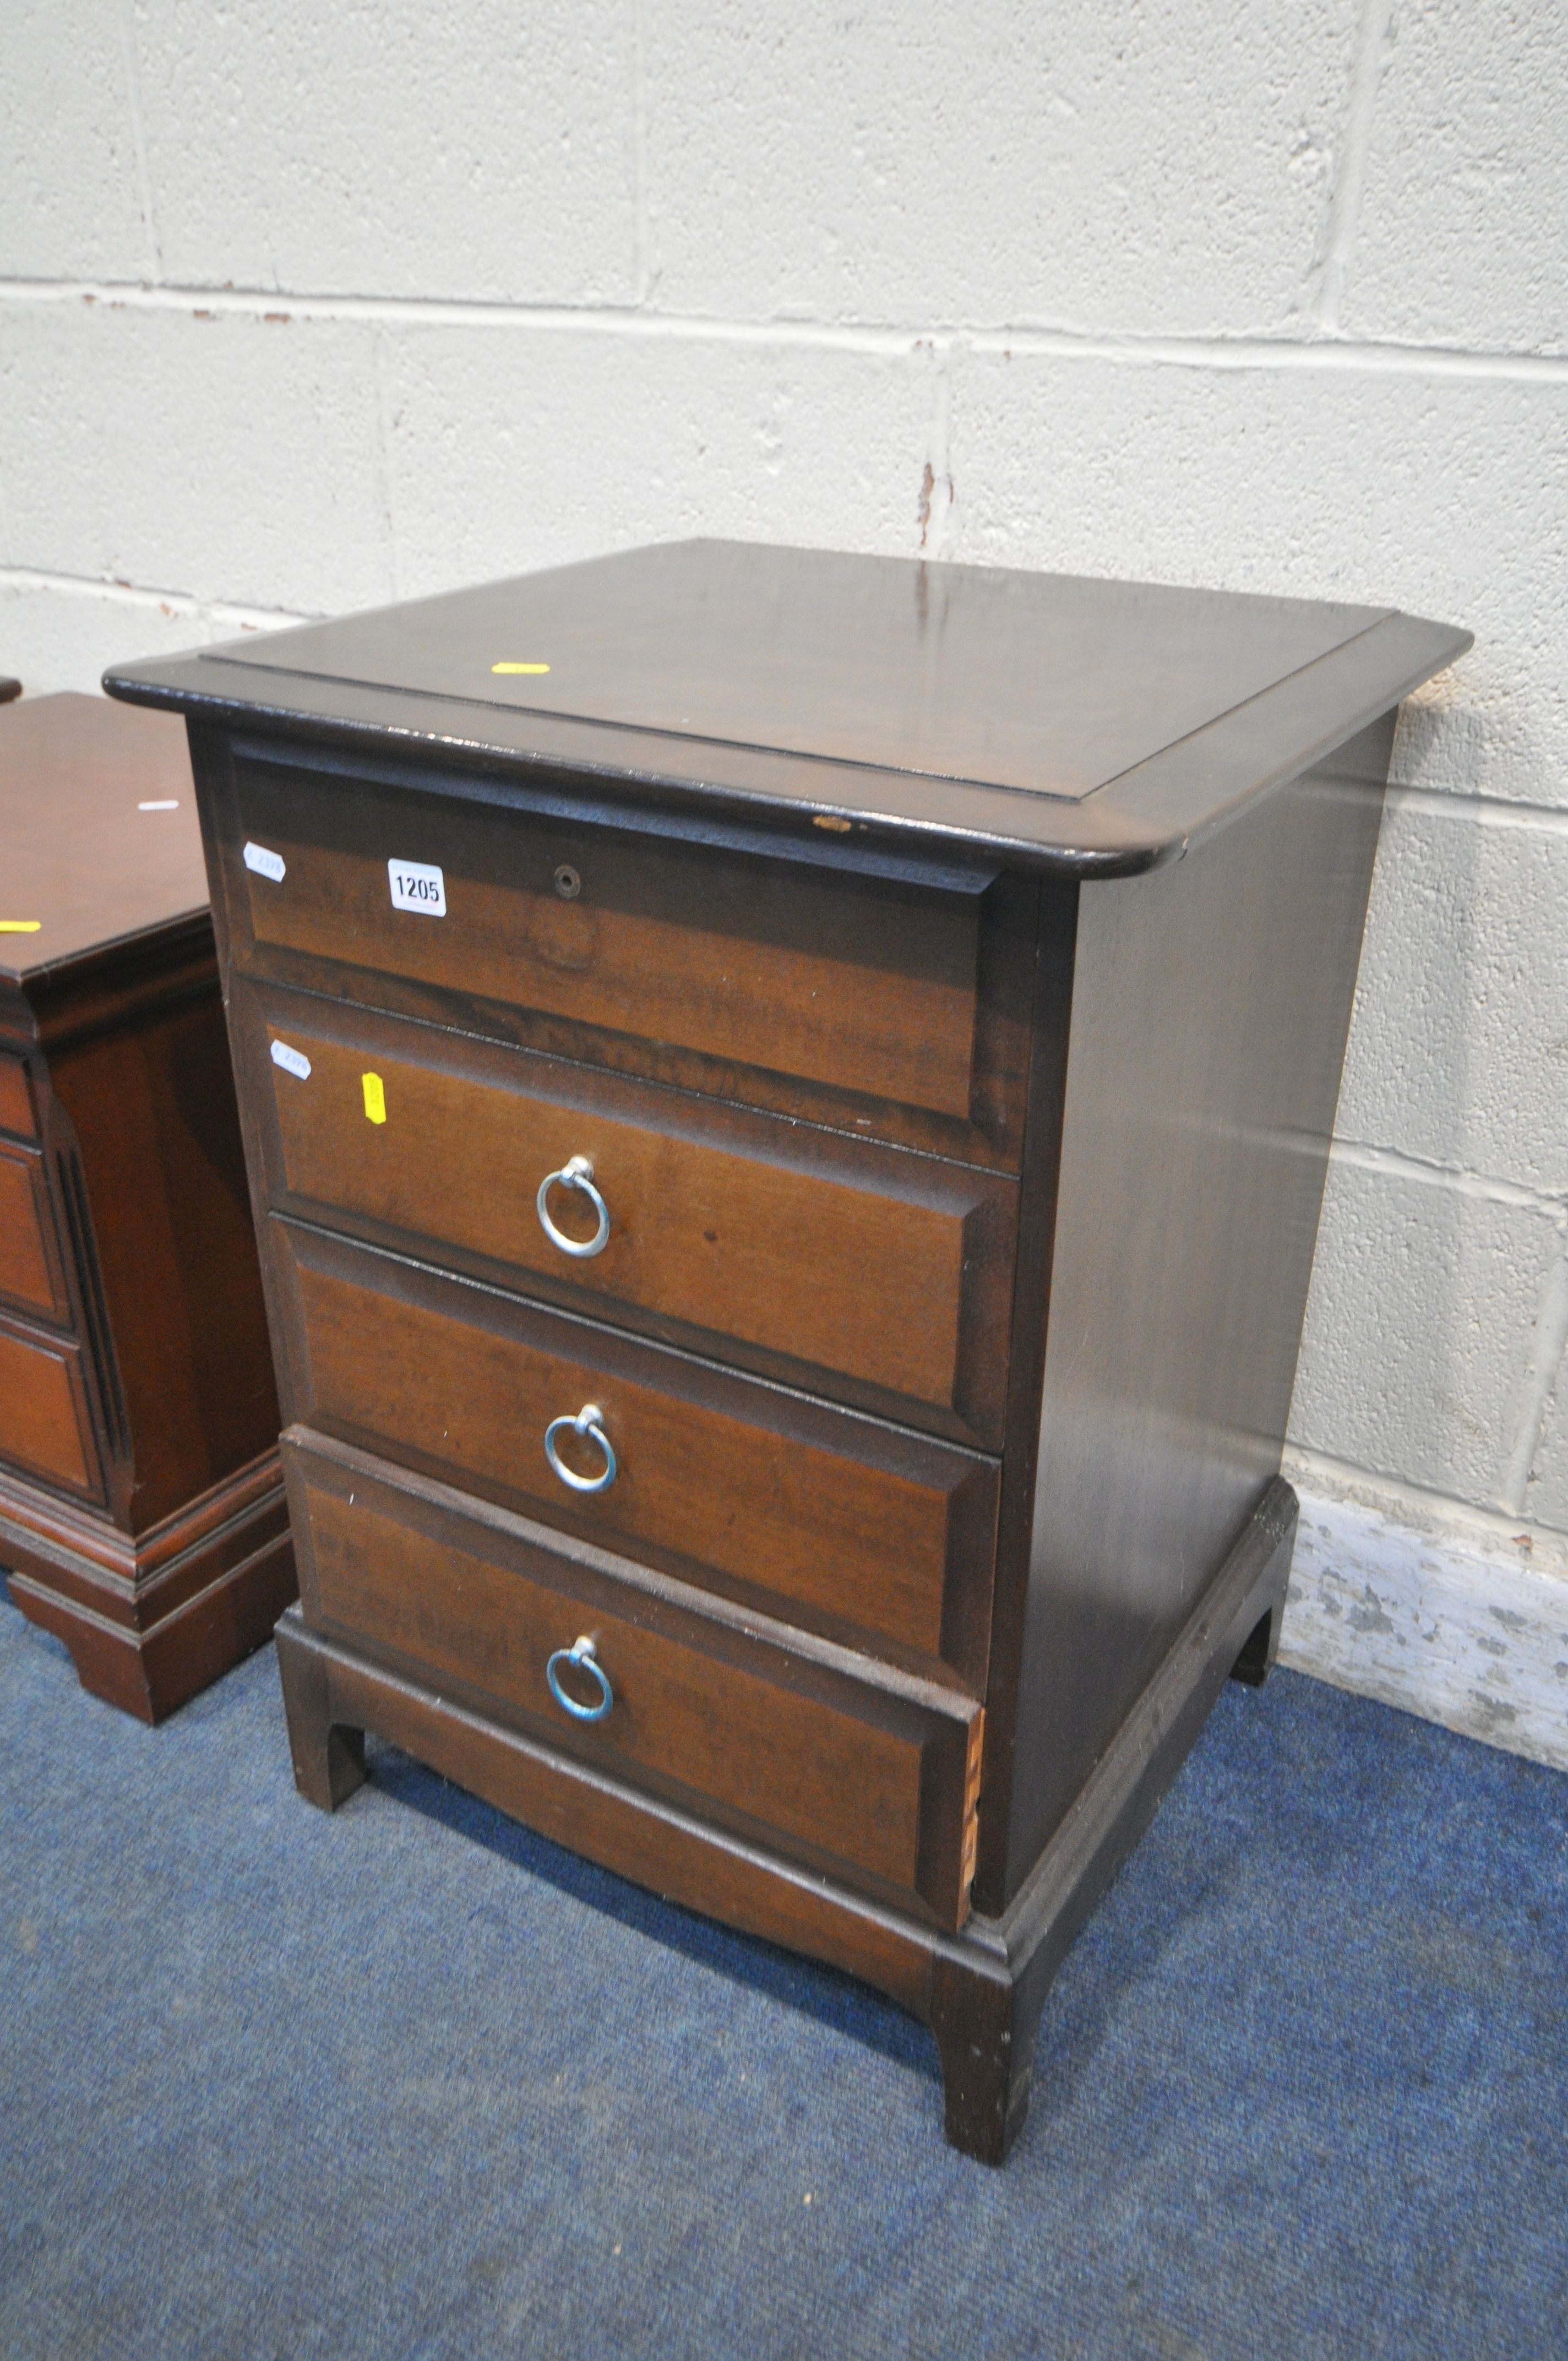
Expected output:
{"points": [[978, 702], [84, 865]]}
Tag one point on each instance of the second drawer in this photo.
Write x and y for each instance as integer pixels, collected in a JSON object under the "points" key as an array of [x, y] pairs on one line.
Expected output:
{"points": [[29, 1262], [865, 1273], [876, 1537]]}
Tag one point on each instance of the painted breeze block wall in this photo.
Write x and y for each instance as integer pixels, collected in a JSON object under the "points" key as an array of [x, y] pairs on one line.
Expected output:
{"points": [[302, 311]]}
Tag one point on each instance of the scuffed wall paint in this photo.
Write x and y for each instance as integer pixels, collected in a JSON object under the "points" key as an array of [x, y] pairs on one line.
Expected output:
{"points": [[1470, 1634]]}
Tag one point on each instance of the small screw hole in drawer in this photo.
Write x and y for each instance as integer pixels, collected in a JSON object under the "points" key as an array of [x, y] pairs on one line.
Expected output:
{"points": [[568, 884]]}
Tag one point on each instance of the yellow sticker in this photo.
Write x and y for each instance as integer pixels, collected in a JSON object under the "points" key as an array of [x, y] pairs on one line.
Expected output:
{"points": [[20, 925], [375, 1098], [512, 667]]}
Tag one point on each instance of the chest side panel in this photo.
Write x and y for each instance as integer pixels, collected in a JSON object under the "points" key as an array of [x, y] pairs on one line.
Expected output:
{"points": [[1210, 1005]]}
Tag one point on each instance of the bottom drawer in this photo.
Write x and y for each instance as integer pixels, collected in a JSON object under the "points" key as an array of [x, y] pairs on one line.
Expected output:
{"points": [[45, 1428], [865, 1772]]}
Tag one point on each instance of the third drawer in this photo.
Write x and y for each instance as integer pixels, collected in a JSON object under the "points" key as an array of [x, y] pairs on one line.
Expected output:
{"points": [[873, 1536]]}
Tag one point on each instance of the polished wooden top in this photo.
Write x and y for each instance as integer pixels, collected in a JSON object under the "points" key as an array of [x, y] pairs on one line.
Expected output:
{"points": [[1042, 713], [1020, 680], [83, 864]]}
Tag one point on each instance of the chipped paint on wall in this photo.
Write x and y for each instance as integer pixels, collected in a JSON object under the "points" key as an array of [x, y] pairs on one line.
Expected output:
{"points": [[1466, 1634]]}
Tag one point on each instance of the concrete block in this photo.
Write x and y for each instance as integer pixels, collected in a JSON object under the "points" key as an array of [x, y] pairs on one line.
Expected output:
{"points": [[54, 637], [481, 150], [1445, 496], [515, 448], [1459, 239], [228, 457], [1418, 1324], [1546, 1497], [1459, 1047], [1105, 165], [69, 201]]}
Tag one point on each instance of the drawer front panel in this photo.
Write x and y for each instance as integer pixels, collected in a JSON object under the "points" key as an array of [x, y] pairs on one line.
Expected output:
{"points": [[45, 1429], [838, 1264], [29, 1272], [868, 984], [879, 1539], [872, 1781], [16, 1099]]}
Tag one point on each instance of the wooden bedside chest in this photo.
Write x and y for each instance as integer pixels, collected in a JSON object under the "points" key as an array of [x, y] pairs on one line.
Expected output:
{"points": [[141, 1507], [788, 1098]]}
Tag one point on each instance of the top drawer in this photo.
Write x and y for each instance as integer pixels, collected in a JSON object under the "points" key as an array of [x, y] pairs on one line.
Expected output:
{"points": [[724, 971], [17, 1111]]}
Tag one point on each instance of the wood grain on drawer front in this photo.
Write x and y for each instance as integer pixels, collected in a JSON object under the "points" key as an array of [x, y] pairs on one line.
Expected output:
{"points": [[877, 1538], [799, 1744], [17, 1113], [869, 984], [860, 1271], [29, 1271], [45, 1427]]}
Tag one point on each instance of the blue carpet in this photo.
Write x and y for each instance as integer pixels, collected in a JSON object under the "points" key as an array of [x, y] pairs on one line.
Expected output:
{"points": [[411, 2083]]}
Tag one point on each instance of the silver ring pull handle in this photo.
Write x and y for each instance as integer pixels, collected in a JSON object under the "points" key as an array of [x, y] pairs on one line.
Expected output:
{"points": [[581, 1656], [575, 1173], [590, 1420]]}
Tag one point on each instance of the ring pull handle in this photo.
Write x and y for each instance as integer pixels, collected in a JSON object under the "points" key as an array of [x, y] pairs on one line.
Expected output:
{"points": [[582, 1657], [575, 1173], [588, 1422]]}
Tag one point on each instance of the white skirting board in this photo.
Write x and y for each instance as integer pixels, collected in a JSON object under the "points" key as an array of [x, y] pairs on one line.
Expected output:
{"points": [[1461, 1628]]}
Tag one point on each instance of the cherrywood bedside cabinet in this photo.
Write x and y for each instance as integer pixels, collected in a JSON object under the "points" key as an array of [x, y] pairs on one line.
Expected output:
{"points": [[788, 1098], [142, 1515]]}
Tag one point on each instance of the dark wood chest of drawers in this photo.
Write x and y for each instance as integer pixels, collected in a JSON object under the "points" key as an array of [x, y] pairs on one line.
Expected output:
{"points": [[142, 1517], [787, 1099]]}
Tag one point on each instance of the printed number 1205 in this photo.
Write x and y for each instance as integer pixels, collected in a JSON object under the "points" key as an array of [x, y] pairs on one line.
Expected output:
{"points": [[417, 886]]}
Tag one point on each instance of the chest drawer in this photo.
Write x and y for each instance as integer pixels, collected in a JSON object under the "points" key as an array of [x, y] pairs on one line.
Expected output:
{"points": [[45, 1425], [16, 1110], [873, 1779], [877, 1538], [29, 1264], [861, 1271], [878, 989]]}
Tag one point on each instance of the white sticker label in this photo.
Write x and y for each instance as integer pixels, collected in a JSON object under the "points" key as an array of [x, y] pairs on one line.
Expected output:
{"points": [[417, 887], [264, 863], [294, 1061]]}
